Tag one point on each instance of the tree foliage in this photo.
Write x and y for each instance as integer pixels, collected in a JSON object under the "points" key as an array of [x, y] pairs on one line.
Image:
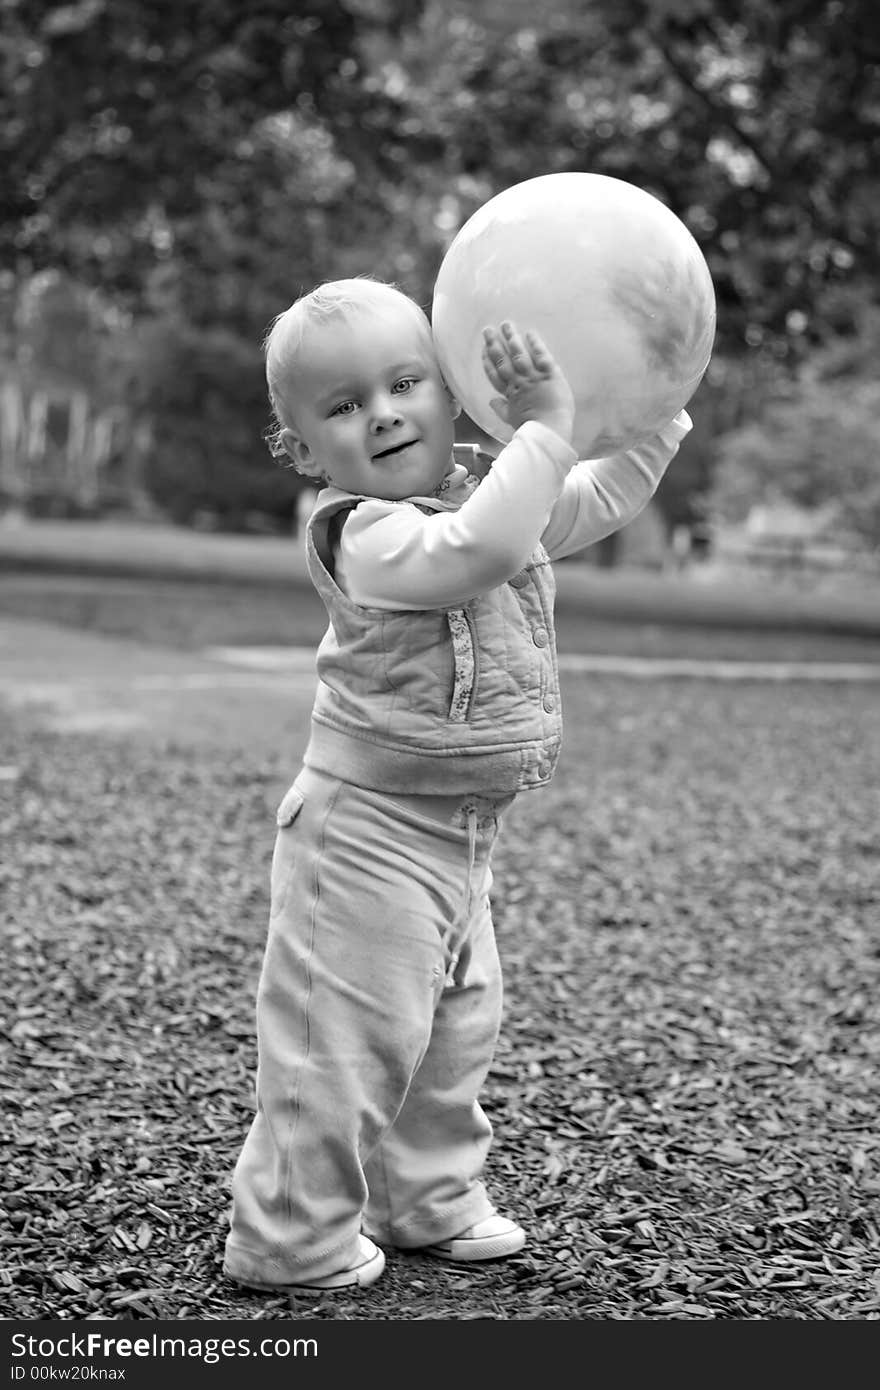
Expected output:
{"points": [[252, 148], [757, 124], [176, 151], [204, 396], [817, 443]]}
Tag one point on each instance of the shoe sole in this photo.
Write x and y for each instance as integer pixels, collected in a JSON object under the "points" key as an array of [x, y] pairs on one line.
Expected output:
{"points": [[488, 1248]]}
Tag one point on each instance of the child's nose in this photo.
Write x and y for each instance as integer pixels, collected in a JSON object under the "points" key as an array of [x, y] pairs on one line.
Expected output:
{"points": [[385, 412]]}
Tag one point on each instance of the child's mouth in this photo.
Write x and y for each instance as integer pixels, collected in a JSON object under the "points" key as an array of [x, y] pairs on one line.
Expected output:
{"points": [[394, 449]]}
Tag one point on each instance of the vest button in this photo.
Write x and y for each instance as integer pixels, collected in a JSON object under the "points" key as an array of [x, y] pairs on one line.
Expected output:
{"points": [[519, 581], [543, 770], [540, 637], [549, 704]]}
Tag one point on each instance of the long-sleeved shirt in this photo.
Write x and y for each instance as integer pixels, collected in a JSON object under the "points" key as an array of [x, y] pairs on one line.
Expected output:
{"points": [[393, 555]]}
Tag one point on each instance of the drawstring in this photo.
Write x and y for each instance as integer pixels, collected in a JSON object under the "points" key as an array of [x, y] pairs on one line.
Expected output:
{"points": [[453, 973]]}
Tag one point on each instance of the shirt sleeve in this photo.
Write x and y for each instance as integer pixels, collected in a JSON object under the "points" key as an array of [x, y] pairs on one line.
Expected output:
{"points": [[599, 496], [392, 555]]}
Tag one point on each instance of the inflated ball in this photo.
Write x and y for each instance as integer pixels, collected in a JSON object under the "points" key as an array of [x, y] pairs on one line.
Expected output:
{"points": [[609, 277]]}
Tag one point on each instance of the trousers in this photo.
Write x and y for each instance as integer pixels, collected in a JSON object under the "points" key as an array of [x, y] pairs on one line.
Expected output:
{"points": [[378, 1010]]}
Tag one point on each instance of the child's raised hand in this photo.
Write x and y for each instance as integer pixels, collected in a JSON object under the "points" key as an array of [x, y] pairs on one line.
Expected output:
{"points": [[531, 383]]}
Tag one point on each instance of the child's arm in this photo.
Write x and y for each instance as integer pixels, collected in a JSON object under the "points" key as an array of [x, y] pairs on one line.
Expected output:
{"points": [[601, 495], [394, 556]]}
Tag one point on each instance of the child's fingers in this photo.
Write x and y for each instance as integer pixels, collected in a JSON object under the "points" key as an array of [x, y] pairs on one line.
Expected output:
{"points": [[496, 359], [512, 359], [495, 381], [492, 372], [522, 354], [540, 353], [516, 348]]}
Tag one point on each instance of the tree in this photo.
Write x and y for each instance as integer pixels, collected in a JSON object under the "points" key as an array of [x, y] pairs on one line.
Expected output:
{"points": [[240, 150], [203, 162], [816, 444], [207, 399], [757, 124], [147, 147]]}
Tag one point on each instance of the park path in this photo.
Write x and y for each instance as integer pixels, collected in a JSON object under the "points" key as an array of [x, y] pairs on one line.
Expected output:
{"points": [[77, 682], [297, 660]]}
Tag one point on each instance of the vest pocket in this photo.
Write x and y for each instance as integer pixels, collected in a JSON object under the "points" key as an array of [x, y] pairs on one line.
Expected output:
{"points": [[464, 657]]}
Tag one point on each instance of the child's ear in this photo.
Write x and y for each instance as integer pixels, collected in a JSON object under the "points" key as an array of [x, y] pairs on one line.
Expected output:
{"points": [[454, 405], [298, 450]]}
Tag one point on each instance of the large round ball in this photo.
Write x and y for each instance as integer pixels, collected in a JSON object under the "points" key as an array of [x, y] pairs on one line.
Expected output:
{"points": [[611, 279]]}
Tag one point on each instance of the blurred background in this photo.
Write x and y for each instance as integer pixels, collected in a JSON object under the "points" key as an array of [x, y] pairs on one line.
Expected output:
{"points": [[176, 174]]}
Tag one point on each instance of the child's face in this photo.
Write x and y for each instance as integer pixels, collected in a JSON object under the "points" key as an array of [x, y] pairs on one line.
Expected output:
{"points": [[372, 413]]}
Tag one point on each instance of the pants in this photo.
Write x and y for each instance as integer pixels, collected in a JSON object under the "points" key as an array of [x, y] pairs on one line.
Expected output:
{"points": [[378, 1011]]}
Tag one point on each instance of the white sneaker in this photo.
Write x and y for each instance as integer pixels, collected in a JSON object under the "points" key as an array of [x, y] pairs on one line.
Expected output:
{"points": [[491, 1239], [368, 1265], [365, 1271]]}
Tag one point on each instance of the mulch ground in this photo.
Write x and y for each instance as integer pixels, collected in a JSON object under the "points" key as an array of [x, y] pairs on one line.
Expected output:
{"points": [[686, 1091]]}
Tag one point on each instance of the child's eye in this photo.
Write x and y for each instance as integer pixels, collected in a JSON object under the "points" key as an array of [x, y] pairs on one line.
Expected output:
{"points": [[344, 408], [406, 383]]}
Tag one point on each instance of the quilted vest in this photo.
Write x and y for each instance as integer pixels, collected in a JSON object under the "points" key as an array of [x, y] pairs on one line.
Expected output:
{"points": [[442, 700]]}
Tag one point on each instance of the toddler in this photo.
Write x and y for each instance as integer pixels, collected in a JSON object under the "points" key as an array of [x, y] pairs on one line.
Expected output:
{"points": [[437, 701]]}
